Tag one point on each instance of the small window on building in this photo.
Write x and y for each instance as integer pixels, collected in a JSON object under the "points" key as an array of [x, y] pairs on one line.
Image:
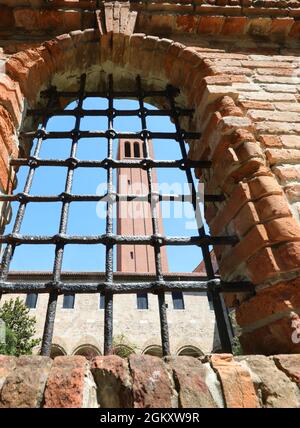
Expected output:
{"points": [[127, 150], [102, 301], [142, 300], [136, 149], [31, 300], [69, 300], [178, 302]]}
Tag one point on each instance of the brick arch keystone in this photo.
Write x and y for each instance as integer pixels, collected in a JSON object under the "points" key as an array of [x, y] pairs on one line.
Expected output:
{"points": [[255, 208]]}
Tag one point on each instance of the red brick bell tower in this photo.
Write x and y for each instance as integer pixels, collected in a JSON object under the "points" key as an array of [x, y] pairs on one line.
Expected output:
{"points": [[134, 217]]}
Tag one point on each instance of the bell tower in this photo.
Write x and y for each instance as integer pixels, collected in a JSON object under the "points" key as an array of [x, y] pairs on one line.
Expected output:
{"points": [[134, 217]]}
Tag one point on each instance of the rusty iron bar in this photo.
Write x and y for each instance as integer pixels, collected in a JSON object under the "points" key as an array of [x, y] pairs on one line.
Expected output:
{"points": [[25, 197], [105, 112], [59, 245], [109, 256], [46, 135], [35, 162], [111, 239], [221, 316], [56, 285], [200, 284], [164, 328]]}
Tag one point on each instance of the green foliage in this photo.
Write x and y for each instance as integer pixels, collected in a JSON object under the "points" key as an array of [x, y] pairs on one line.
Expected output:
{"points": [[20, 328], [122, 347], [236, 344], [10, 345]]}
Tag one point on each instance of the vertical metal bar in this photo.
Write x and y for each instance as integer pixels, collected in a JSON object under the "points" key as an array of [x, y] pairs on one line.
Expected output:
{"points": [[108, 313], [164, 329], [189, 176], [216, 298], [59, 249], [221, 318], [10, 248]]}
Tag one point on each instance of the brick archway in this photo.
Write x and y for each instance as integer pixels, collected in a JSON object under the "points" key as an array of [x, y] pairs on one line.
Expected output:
{"points": [[255, 208]]}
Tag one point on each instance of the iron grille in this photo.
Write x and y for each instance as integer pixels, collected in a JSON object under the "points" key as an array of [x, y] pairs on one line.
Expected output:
{"points": [[159, 284]]}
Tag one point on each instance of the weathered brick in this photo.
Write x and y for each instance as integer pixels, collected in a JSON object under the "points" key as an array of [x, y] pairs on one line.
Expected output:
{"points": [[270, 140], [70, 384], [272, 207], [285, 174], [245, 219], [288, 107], [190, 377], [257, 105], [272, 386], [113, 381], [267, 96], [236, 382], [251, 243], [258, 115], [276, 71], [268, 302], [210, 24], [283, 229], [239, 197], [275, 156], [262, 340], [292, 191], [151, 384], [236, 25], [7, 366], [287, 256], [25, 386], [262, 186], [262, 266], [290, 365], [290, 141]]}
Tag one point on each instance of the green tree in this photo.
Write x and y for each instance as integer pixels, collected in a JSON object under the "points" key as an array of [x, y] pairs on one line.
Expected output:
{"points": [[20, 328]]}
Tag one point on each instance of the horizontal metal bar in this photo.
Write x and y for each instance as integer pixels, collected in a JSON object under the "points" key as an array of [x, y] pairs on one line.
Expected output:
{"points": [[103, 94], [110, 163], [124, 287], [111, 134], [62, 197], [90, 276], [106, 239], [106, 112]]}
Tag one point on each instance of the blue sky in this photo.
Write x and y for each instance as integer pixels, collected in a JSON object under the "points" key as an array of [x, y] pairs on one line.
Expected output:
{"points": [[43, 218]]}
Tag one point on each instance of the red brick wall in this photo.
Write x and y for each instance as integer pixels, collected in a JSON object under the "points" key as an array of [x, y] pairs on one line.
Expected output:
{"points": [[177, 382], [238, 66]]}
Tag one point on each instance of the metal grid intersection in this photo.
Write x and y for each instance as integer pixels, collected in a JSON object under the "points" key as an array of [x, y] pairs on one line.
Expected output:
{"points": [[210, 283]]}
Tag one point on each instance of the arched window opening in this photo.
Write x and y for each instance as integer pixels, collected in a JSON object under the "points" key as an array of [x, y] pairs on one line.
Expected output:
{"points": [[57, 351], [78, 251], [190, 351], [154, 350], [127, 149], [87, 351], [136, 149]]}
